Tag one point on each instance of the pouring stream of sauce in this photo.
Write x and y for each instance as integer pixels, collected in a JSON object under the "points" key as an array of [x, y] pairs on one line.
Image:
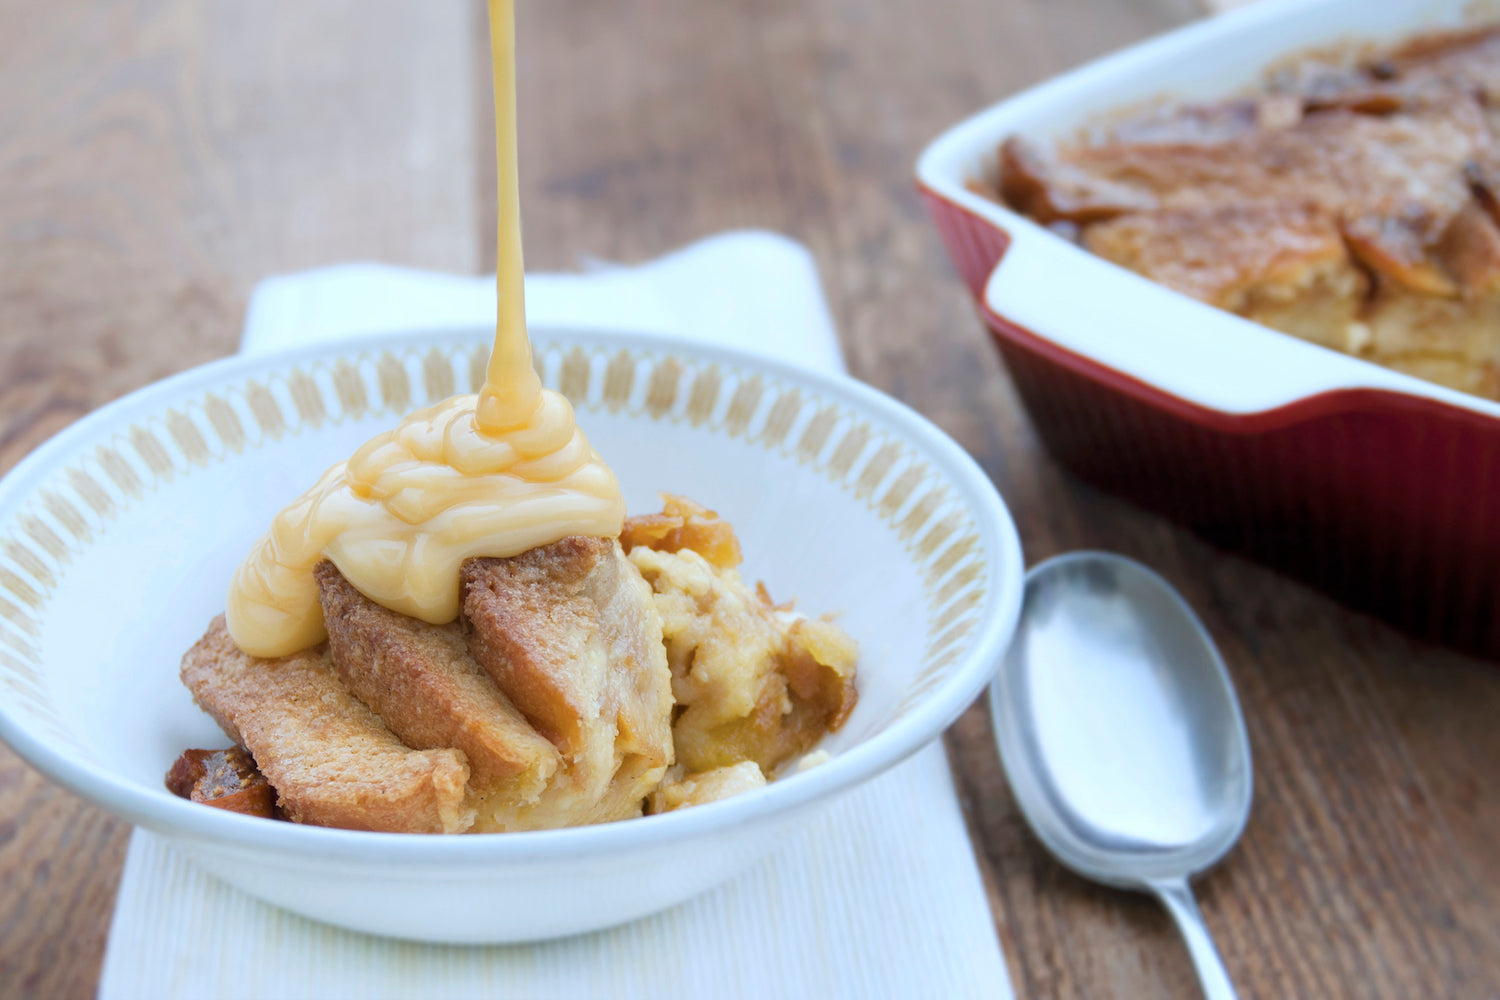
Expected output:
{"points": [[492, 474]]}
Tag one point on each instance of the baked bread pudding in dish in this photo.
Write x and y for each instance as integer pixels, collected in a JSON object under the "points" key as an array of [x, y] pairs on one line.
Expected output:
{"points": [[584, 681], [1354, 203]]}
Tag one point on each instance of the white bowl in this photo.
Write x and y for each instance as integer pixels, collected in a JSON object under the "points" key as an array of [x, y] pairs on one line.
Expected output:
{"points": [[118, 537]]}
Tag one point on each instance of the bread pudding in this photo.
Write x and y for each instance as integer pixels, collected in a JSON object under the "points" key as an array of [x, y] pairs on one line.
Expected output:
{"points": [[584, 681], [1354, 203], [445, 633], [752, 681]]}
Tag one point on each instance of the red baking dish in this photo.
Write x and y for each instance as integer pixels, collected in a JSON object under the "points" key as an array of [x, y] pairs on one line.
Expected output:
{"points": [[1378, 487]]}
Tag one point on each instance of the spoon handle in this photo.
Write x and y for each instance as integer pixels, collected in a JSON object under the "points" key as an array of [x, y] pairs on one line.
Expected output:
{"points": [[1178, 899]]}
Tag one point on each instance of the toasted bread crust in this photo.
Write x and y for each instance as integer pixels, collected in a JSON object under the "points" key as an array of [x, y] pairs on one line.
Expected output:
{"points": [[569, 631], [421, 681], [529, 621], [331, 760]]}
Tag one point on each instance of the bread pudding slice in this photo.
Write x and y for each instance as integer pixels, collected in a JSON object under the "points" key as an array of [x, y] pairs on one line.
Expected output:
{"points": [[754, 682], [332, 761], [577, 686], [570, 633], [547, 704], [421, 681]]}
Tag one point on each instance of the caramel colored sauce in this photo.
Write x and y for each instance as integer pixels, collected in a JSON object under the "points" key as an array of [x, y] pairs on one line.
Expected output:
{"points": [[491, 474]]}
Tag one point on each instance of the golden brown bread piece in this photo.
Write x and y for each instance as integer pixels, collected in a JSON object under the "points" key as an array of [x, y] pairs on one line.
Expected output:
{"points": [[225, 779], [1348, 163], [569, 632], [1283, 265], [330, 759], [421, 681]]}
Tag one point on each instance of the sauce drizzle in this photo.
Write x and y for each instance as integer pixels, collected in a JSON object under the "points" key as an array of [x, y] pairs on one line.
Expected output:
{"points": [[489, 474]]}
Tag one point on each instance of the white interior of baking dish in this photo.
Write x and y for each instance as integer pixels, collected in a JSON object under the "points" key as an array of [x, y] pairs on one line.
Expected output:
{"points": [[1096, 309]]}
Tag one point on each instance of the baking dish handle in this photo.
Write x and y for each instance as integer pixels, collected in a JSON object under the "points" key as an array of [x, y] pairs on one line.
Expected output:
{"points": [[1149, 340]]}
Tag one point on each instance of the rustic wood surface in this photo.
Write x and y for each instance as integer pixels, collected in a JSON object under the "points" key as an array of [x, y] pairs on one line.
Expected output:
{"points": [[156, 159]]}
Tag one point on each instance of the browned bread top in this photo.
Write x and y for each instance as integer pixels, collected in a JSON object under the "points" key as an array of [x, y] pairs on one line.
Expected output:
{"points": [[421, 681], [569, 631], [332, 761]]}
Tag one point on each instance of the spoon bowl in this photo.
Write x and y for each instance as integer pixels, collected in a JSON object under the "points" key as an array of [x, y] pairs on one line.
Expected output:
{"points": [[1121, 735]]}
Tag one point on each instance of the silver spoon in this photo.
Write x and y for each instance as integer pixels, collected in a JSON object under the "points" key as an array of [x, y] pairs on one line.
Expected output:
{"points": [[1122, 738]]}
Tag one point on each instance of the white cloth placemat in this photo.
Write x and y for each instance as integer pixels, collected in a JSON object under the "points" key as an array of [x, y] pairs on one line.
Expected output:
{"points": [[879, 897]]}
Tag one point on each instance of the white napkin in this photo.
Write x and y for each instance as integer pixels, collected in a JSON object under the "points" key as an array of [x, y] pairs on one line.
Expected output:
{"points": [[879, 897]]}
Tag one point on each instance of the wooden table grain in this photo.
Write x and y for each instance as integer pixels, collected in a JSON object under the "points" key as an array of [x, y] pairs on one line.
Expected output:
{"points": [[156, 159]]}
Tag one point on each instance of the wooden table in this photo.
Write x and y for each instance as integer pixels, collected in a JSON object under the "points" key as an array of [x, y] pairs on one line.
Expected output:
{"points": [[157, 159]]}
